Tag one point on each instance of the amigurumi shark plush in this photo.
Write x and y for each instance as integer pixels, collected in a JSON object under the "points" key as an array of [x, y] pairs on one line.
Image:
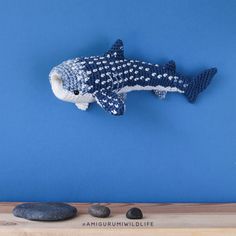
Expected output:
{"points": [[106, 79]]}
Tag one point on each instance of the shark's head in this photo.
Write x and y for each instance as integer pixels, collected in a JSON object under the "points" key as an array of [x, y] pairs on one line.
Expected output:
{"points": [[68, 81]]}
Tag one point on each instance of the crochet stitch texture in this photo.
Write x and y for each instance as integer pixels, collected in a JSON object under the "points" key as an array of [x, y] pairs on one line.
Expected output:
{"points": [[106, 79]]}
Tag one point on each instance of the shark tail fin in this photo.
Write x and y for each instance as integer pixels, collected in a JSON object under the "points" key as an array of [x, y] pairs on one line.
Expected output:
{"points": [[198, 84]]}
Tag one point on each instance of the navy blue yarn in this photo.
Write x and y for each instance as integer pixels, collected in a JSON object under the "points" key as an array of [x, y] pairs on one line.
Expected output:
{"points": [[104, 76]]}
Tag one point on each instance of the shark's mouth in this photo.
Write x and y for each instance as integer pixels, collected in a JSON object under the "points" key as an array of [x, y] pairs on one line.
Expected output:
{"points": [[57, 86], [58, 90]]}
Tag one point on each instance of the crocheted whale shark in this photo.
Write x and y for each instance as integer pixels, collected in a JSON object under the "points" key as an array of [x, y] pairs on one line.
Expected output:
{"points": [[106, 79]]}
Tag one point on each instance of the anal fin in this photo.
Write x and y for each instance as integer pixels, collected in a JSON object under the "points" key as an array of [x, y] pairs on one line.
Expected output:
{"points": [[160, 93]]}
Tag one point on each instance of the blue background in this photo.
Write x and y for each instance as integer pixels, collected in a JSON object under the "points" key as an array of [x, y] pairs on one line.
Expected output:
{"points": [[159, 151]]}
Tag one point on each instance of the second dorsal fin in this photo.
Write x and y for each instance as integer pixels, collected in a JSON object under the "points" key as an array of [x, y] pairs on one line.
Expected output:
{"points": [[170, 65]]}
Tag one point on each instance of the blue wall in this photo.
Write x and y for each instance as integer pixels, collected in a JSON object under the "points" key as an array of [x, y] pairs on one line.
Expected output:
{"points": [[159, 151]]}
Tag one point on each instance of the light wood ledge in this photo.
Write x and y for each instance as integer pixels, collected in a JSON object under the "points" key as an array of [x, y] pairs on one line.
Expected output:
{"points": [[159, 220]]}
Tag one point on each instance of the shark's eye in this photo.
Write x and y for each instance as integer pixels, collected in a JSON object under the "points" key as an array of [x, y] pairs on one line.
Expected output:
{"points": [[76, 92]]}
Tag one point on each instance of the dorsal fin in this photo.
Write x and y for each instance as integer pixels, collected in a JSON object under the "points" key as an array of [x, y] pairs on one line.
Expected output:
{"points": [[117, 50], [170, 65]]}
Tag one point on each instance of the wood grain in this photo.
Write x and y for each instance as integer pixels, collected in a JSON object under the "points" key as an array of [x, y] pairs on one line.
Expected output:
{"points": [[159, 219]]}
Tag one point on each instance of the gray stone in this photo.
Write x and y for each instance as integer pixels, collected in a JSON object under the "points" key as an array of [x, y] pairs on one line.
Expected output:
{"points": [[134, 213], [99, 211], [45, 211]]}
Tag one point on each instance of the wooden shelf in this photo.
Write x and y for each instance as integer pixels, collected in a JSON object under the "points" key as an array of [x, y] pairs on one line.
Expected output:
{"points": [[159, 220]]}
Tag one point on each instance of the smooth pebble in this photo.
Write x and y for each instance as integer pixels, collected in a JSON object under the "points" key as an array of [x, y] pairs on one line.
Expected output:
{"points": [[45, 211], [99, 211], [134, 213]]}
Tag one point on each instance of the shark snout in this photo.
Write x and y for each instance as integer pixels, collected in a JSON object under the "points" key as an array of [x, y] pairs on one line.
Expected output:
{"points": [[59, 91], [56, 84]]}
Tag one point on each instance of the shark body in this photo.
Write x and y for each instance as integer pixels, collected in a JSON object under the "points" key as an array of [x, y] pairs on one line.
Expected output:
{"points": [[106, 79]]}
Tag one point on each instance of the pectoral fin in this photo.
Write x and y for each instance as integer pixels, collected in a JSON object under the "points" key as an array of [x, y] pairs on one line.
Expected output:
{"points": [[111, 102]]}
